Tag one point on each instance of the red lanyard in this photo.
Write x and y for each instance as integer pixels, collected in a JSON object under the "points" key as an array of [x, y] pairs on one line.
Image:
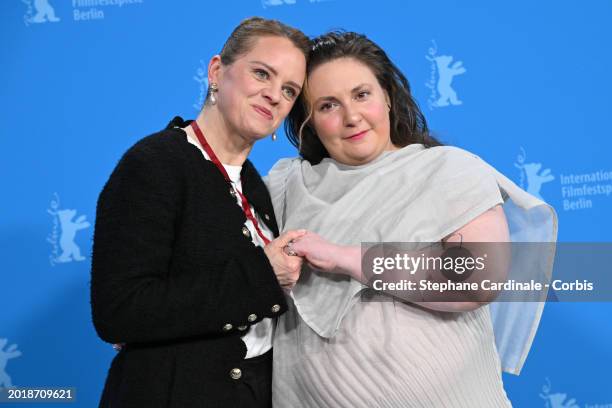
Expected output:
{"points": [[213, 157]]}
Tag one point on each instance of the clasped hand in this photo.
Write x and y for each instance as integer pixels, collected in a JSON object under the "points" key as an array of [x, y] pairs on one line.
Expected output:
{"points": [[289, 251]]}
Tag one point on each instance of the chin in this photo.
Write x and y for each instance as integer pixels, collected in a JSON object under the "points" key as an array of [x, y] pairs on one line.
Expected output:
{"points": [[357, 161], [260, 130], [258, 133], [264, 133], [363, 158]]}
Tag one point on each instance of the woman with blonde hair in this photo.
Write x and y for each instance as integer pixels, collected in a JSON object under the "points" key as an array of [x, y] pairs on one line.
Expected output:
{"points": [[186, 274]]}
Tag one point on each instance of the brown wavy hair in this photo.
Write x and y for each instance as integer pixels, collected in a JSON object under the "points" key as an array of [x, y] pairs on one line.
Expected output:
{"points": [[408, 125]]}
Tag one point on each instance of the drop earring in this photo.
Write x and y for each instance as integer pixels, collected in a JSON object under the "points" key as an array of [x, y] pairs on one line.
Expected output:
{"points": [[212, 90], [274, 136]]}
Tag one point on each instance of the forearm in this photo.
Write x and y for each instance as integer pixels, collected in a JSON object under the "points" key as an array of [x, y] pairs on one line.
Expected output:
{"points": [[349, 260]]}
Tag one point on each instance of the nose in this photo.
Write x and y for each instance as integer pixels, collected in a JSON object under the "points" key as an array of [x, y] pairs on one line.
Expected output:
{"points": [[352, 117], [272, 94]]}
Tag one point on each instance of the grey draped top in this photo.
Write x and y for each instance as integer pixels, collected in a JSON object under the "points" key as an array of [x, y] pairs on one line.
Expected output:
{"points": [[413, 194]]}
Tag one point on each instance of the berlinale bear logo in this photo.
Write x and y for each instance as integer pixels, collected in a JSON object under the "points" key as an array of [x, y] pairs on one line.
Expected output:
{"points": [[442, 93], [41, 12], [557, 399], [5, 355], [531, 176], [64, 232], [268, 3]]}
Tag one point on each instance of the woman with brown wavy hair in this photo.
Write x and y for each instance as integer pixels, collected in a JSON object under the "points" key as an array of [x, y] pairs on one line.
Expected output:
{"points": [[370, 172]]}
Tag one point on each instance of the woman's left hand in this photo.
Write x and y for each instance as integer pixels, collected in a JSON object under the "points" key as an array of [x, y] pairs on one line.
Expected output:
{"points": [[317, 251]]}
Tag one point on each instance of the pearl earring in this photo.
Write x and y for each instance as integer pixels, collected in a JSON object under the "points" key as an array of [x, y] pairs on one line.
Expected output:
{"points": [[212, 90]]}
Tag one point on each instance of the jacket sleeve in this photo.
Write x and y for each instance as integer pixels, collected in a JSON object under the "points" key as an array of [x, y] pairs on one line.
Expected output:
{"points": [[134, 297]]}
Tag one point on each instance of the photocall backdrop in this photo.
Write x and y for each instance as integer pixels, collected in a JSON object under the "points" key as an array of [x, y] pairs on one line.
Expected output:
{"points": [[526, 85]]}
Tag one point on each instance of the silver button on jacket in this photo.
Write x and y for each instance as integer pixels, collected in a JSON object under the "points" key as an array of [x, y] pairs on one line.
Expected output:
{"points": [[236, 373], [246, 232]]}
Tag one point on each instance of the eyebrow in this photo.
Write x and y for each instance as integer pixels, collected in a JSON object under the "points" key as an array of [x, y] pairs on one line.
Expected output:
{"points": [[276, 73], [327, 98]]}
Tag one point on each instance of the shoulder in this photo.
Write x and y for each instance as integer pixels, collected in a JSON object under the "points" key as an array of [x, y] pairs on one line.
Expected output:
{"points": [[166, 144], [284, 166], [454, 155], [445, 166], [158, 159], [280, 171], [454, 160], [166, 152]]}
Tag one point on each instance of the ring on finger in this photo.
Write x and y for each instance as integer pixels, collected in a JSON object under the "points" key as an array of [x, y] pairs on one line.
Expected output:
{"points": [[288, 250]]}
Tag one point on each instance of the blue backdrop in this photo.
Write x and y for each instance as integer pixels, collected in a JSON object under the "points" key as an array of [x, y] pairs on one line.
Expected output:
{"points": [[524, 84]]}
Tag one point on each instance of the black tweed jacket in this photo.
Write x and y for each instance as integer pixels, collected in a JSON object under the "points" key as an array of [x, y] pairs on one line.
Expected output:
{"points": [[174, 275]]}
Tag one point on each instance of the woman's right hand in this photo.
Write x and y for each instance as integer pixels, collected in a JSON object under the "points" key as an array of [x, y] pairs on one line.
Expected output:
{"points": [[286, 267]]}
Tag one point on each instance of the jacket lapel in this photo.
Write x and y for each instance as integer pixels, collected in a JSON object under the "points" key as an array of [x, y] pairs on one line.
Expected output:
{"points": [[257, 194]]}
